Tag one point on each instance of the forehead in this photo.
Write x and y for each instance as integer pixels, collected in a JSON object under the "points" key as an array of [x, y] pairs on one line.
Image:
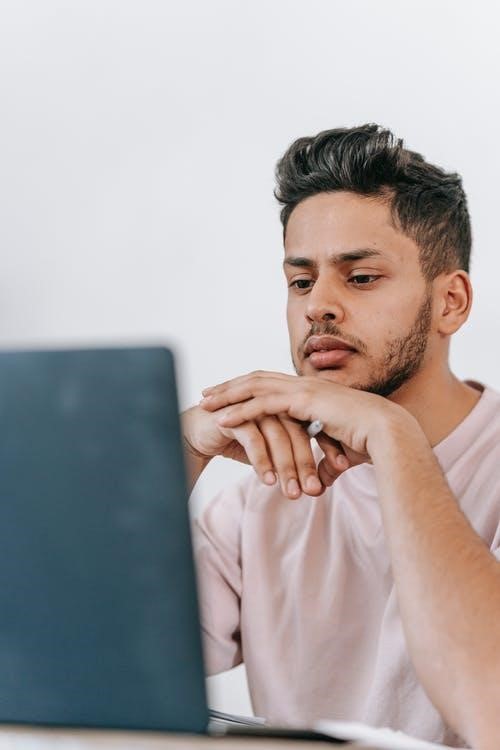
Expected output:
{"points": [[342, 222]]}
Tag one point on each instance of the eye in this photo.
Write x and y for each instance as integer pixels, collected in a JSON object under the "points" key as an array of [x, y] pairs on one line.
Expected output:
{"points": [[302, 284], [363, 279]]}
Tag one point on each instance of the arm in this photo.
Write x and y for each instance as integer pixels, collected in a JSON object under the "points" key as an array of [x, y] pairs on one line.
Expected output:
{"points": [[447, 580], [216, 541], [274, 444]]}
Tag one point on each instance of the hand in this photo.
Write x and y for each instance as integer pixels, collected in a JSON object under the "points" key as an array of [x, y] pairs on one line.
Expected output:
{"points": [[349, 416], [271, 444]]}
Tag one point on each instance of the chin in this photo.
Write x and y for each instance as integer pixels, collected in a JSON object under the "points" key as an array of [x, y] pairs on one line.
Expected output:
{"points": [[335, 374]]}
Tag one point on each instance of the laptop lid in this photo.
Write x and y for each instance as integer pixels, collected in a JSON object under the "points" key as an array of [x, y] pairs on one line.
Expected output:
{"points": [[98, 610]]}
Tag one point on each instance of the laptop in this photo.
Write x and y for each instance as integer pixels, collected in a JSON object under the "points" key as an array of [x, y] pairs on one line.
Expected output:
{"points": [[99, 622]]}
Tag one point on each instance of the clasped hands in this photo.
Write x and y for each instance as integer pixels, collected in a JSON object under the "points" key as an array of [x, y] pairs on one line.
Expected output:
{"points": [[279, 407]]}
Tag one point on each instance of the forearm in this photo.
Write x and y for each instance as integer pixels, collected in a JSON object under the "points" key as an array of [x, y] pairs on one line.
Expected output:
{"points": [[448, 584]]}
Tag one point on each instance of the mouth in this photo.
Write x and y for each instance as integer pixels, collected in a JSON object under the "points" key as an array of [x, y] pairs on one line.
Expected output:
{"points": [[332, 358], [327, 351]]}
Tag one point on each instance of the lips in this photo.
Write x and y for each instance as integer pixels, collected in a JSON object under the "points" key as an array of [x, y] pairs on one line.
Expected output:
{"points": [[325, 344], [327, 351]]}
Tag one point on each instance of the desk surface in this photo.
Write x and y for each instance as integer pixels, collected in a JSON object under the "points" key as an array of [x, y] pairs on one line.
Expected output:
{"points": [[36, 738]]}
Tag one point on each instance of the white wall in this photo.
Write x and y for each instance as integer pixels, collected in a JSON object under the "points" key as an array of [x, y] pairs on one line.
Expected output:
{"points": [[137, 146]]}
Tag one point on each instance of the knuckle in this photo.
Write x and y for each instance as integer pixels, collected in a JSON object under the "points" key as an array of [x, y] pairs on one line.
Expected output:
{"points": [[308, 387], [308, 467], [271, 427], [287, 469], [331, 454], [254, 440], [261, 464], [260, 460], [330, 470], [293, 427], [302, 400]]}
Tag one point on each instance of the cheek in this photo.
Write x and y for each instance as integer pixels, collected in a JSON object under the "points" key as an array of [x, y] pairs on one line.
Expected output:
{"points": [[293, 321], [377, 331], [389, 319], [375, 324], [297, 333]]}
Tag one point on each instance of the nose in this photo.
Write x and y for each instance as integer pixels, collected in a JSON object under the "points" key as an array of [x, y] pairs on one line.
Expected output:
{"points": [[323, 302]]}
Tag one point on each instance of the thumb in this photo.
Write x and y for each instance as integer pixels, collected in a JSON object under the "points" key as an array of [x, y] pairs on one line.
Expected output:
{"points": [[335, 457]]}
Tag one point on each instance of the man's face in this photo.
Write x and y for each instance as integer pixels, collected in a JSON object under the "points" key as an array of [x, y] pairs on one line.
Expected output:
{"points": [[359, 308]]}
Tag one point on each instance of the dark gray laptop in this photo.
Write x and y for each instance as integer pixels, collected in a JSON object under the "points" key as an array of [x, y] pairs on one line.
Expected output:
{"points": [[99, 622], [98, 610]]}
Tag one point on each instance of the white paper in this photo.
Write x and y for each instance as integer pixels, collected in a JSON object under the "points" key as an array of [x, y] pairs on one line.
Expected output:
{"points": [[386, 739]]}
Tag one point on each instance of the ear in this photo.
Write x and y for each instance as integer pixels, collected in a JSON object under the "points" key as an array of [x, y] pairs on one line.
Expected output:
{"points": [[453, 301]]}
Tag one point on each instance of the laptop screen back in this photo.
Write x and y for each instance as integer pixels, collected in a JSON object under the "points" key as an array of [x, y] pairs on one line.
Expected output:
{"points": [[98, 611]]}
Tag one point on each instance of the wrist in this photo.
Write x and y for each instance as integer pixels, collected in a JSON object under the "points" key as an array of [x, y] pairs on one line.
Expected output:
{"points": [[195, 463], [192, 454], [394, 430]]}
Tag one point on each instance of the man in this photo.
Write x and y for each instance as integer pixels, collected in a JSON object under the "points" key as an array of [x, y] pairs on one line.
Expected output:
{"points": [[375, 596]]}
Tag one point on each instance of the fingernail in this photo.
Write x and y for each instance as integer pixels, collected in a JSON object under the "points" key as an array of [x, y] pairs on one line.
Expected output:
{"points": [[342, 462], [293, 487], [205, 399], [269, 477], [313, 484], [206, 390]]}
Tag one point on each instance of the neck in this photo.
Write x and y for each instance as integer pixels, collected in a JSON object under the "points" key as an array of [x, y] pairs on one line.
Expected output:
{"points": [[438, 400]]}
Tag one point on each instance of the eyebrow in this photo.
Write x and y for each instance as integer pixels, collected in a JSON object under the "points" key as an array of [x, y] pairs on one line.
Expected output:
{"points": [[335, 259]]}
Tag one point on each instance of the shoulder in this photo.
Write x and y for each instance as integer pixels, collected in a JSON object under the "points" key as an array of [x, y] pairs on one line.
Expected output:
{"points": [[473, 470], [483, 426], [476, 440]]}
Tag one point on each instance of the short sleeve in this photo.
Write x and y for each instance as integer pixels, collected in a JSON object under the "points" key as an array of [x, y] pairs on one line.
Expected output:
{"points": [[217, 550]]}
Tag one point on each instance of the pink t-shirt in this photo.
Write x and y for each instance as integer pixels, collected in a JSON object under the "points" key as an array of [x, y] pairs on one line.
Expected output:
{"points": [[302, 591]]}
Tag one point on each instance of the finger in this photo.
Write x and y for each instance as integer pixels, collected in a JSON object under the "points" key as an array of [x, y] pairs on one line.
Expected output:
{"points": [[260, 406], [303, 457], [280, 449], [325, 442], [327, 473], [243, 388], [333, 451], [251, 439], [256, 374]]}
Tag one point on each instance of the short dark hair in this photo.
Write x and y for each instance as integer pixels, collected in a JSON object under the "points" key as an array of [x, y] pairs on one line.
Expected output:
{"points": [[427, 204]]}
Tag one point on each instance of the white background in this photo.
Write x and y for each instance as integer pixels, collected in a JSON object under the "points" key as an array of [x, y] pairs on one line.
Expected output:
{"points": [[137, 147]]}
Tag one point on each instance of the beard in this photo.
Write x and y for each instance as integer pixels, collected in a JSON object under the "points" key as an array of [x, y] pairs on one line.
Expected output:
{"points": [[403, 356]]}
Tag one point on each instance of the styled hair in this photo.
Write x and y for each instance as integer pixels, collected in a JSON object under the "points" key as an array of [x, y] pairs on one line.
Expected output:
{"points": [[427, 204]]}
